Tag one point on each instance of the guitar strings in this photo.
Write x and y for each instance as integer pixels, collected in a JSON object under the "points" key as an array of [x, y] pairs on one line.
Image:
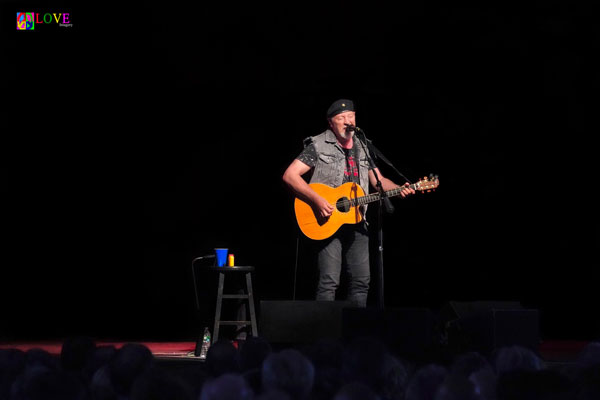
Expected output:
{"points": [[368, 198]]}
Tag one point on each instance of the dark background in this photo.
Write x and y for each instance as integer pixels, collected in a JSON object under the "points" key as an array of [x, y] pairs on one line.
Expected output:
{"points": [[141, 138]]}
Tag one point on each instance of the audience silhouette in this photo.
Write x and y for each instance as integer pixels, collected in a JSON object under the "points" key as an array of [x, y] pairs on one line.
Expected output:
{"points": [[327, 370], [288, 371]]}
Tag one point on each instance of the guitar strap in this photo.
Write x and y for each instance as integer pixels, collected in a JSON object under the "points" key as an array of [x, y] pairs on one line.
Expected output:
{"points": [[352, 154], [357, 165]]}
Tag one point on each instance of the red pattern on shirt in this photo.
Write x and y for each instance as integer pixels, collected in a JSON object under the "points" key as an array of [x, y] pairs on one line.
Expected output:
{"points": [[351, 168]]}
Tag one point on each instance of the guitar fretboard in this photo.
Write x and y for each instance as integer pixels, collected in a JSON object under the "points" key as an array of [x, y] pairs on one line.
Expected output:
{"points": [[370, 198]]}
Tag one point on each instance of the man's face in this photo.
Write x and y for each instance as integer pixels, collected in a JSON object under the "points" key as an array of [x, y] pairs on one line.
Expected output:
{"points": [[338, 124]]}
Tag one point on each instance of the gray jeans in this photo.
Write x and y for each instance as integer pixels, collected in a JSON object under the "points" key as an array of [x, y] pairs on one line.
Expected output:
{"points": [[348, 247]]}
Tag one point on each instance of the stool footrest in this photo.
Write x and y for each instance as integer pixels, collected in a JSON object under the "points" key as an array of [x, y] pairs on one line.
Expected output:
{"points": [[235, 296], [235, 322]]}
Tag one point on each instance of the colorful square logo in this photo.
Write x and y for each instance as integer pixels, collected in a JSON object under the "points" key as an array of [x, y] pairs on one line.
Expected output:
{"points": [[25, 21]]}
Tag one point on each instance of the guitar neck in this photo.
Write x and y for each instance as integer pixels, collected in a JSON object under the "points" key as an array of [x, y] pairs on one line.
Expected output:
{"points": [[370, 198]]}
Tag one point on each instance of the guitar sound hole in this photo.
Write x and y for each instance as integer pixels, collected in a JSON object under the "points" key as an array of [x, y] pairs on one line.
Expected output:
{"points": [[343, 205]]}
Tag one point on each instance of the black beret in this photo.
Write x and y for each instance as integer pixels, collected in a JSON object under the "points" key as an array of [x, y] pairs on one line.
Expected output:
{"points": [[339, 106]]}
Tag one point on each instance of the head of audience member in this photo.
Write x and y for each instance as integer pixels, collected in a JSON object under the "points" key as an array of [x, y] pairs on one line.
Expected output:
{"points": [[363, 361], [194, 375], [75, 352], [289, 371], [101, 356], [588, 383], [326, 357], [12, 364], [511, 358], [130, 361], [355, 391], [426, 381], [157, 384], [40, 357], [477, 369], [467, 363], [457, 387], [227, 387], [545, 384], [253, 352], [222, 358], [485, 382], [42, 383], [395, 379], [273, 394], [101, 385], [325, 353], [326, 383]]}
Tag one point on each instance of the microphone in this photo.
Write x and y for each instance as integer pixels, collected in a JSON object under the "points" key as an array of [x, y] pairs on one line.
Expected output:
{"points": [[352, 128], [203, 257]]}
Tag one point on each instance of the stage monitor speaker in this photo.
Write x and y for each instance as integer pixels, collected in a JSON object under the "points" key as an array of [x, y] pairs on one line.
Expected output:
{"points": [[301, 321], [464, 309], [485, 326], [407, 332]]}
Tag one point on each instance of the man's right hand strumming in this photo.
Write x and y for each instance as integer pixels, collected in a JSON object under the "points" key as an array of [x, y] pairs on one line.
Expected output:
{"points": [[323, 208]]}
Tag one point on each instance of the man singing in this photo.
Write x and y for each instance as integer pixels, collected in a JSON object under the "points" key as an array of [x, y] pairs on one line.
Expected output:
{"points": [[336, 157]]}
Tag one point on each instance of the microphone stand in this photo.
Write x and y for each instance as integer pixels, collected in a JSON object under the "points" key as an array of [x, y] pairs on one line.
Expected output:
{"points": [[194, 277], [384, 202], [198, 348]]}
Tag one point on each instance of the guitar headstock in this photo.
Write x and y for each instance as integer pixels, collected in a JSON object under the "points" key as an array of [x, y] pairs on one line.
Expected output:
{"points": [[428, 183]]}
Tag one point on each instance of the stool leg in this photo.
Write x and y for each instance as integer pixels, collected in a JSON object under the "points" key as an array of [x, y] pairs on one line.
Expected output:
{"points": [[218, 310], [251, 303]]}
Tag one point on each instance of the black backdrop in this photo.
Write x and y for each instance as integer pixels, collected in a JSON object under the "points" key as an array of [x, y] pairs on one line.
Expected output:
{"points": [[142, 139]]}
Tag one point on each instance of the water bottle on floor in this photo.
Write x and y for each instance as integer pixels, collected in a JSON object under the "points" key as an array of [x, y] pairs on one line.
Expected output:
{"points": [[205, 344], [202, 345]]}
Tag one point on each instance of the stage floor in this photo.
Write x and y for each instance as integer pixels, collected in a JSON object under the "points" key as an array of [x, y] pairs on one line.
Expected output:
{"points": [[160, 350], [552, 351]]}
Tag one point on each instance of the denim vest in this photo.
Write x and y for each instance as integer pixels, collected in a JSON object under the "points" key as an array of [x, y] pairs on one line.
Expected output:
{"points": [[331, 161]]}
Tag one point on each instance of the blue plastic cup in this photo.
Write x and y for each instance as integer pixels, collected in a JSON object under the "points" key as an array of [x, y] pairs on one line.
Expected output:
{"points": [[221, 257]]}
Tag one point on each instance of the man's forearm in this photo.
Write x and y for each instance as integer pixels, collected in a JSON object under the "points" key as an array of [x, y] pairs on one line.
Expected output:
{"points": [[300, 188], [388, 184]]}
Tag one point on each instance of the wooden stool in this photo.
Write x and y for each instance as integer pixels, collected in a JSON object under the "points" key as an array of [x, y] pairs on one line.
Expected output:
{"points": [[220, 296]]}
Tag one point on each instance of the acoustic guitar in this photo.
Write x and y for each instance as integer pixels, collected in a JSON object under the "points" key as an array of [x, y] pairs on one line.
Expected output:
{"points": [[347, 200]]}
